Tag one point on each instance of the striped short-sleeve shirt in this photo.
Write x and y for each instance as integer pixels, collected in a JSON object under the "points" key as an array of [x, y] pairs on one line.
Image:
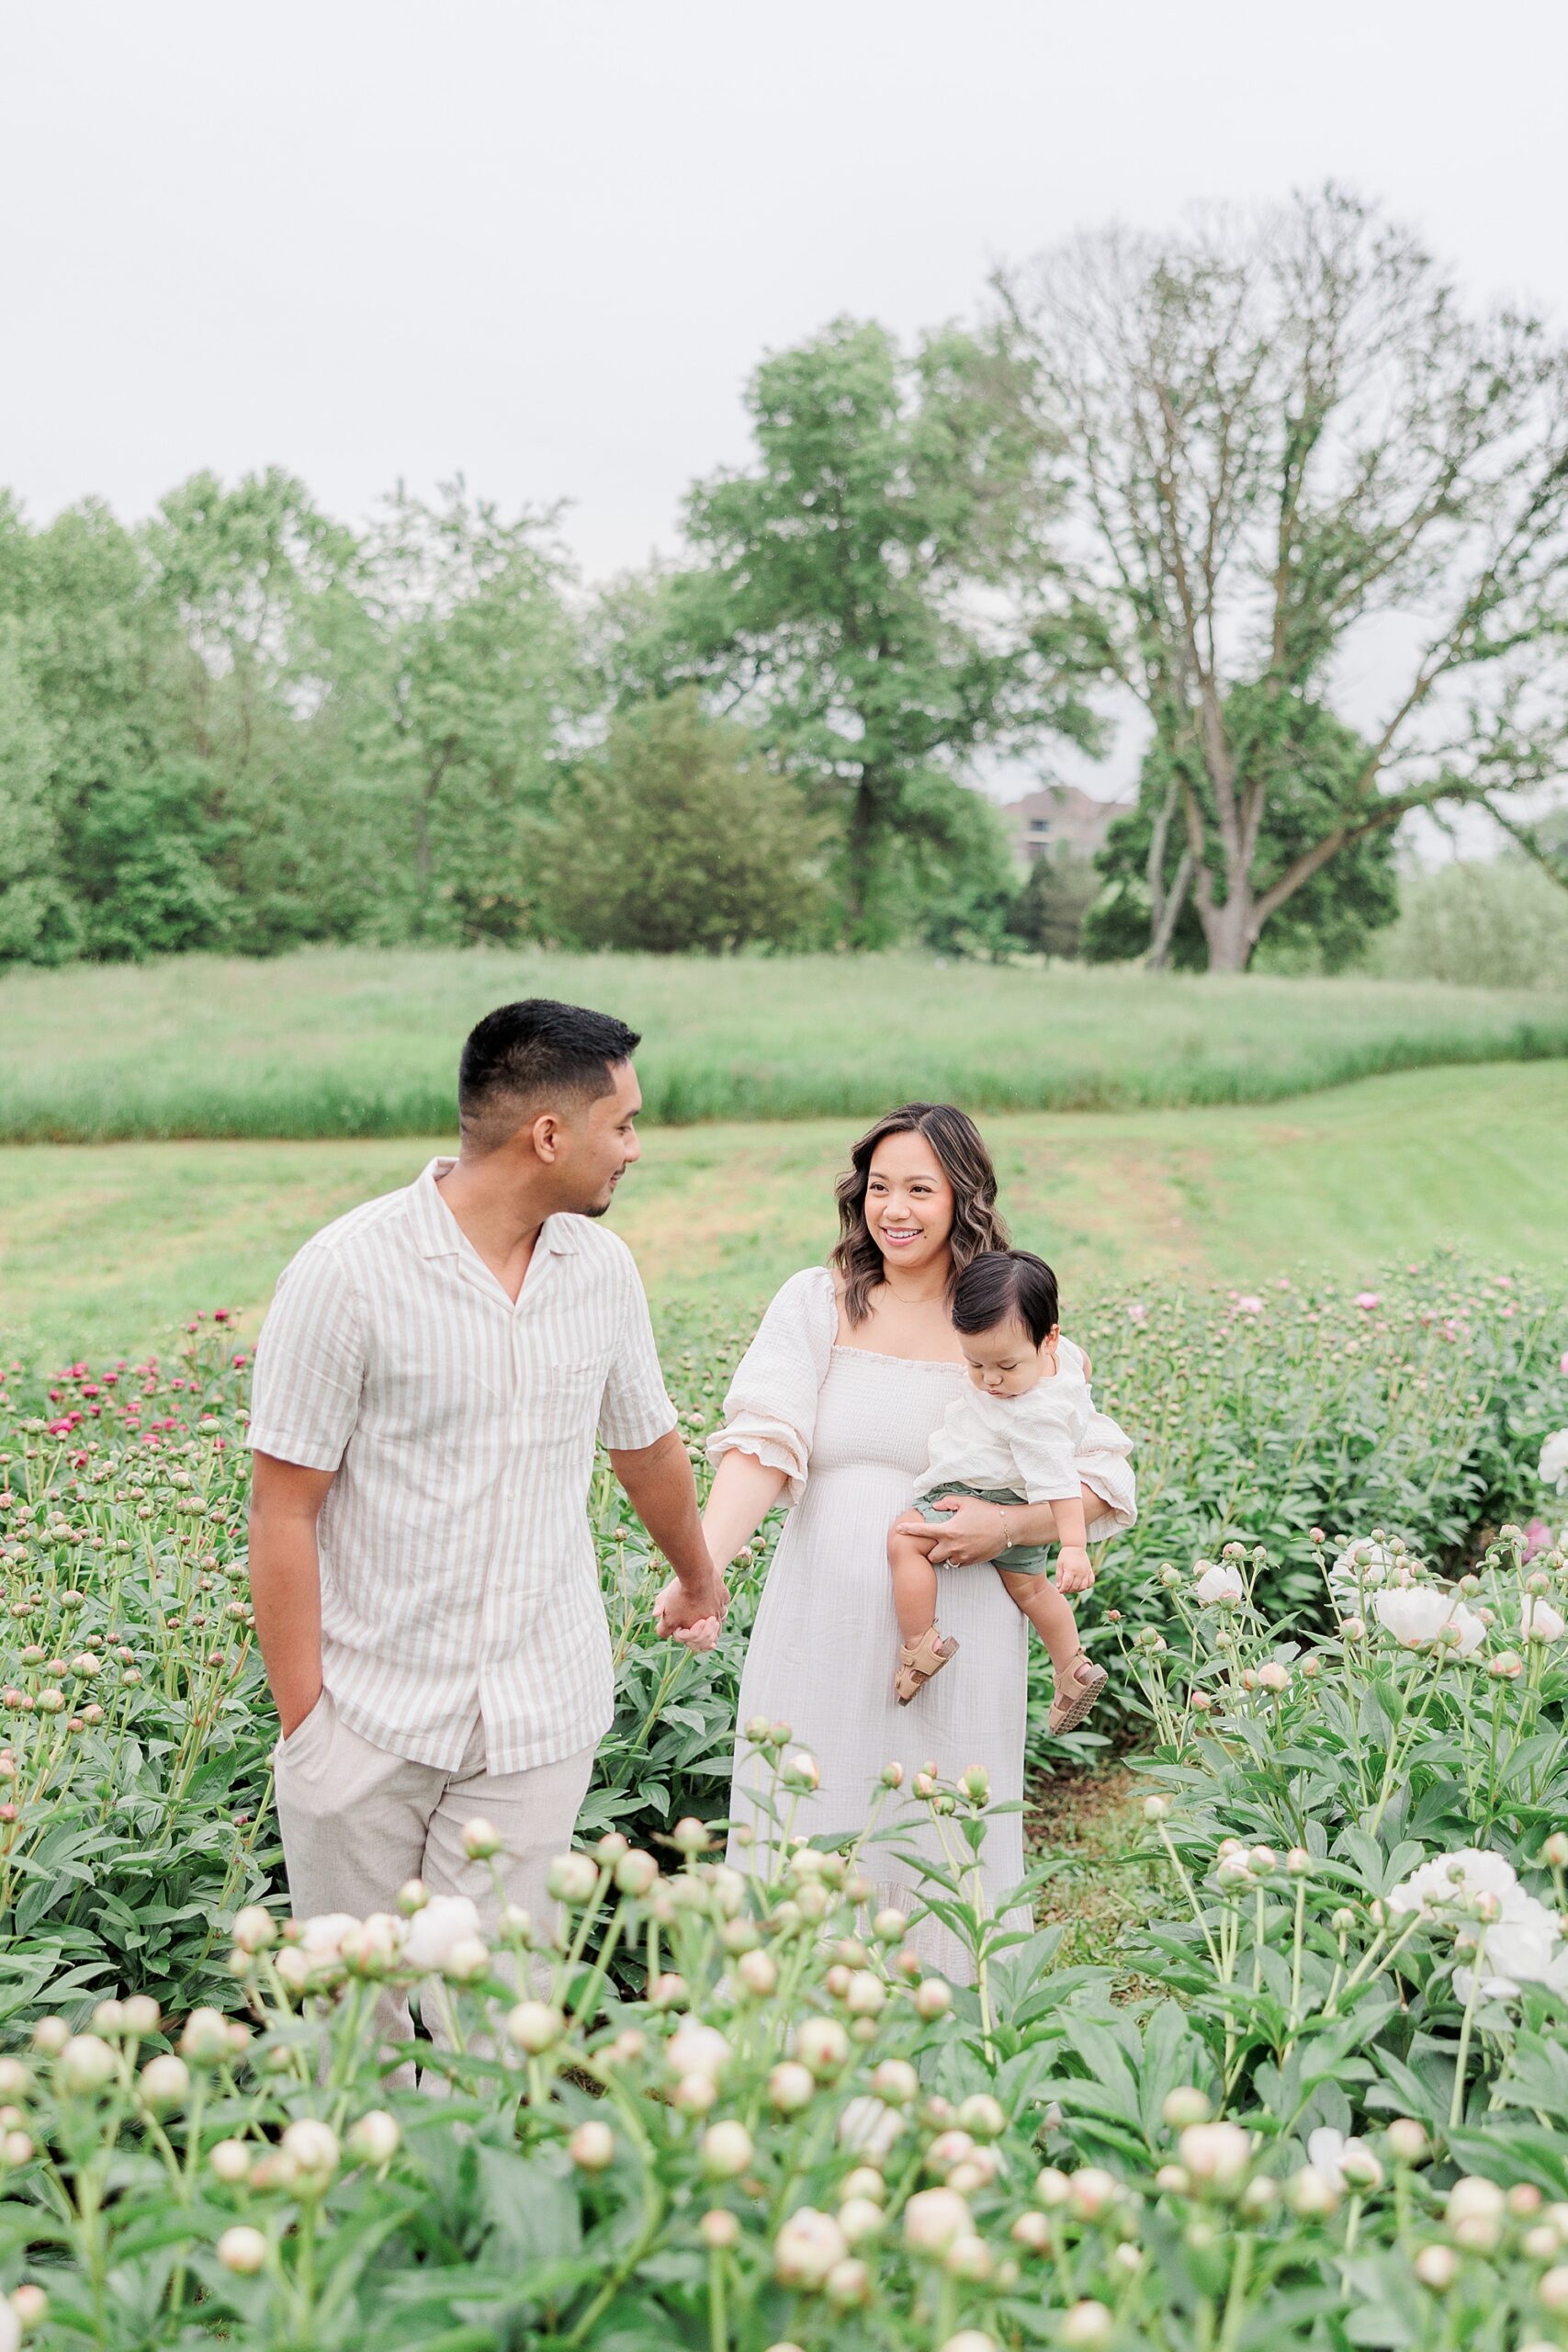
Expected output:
{"points": [[458, 1576]]}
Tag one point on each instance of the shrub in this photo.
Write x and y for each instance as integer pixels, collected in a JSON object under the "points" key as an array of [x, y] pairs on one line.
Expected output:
{"points": [[1498, 923], [677, 838]]}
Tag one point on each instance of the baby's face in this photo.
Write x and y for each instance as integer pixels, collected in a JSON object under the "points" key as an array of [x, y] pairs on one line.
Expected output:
{"points": [[1004, 1361]]}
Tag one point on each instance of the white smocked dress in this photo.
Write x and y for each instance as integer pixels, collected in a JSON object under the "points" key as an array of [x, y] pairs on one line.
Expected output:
{"points": [[851, 1431]]}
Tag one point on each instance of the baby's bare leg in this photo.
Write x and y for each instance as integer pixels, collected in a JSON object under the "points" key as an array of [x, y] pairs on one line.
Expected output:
{"points": [[914, 1579], [1051, 1614]]}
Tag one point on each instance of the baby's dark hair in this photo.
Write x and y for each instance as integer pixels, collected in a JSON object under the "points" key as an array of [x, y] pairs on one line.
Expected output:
{"points": [[1000, 1282]]}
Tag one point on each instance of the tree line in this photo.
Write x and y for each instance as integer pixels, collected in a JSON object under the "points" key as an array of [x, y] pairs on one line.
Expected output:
{"points": [[1225, 474]]}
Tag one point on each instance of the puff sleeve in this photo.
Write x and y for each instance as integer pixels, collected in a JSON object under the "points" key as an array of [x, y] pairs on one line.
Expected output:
{"points": [[771, 1410]]}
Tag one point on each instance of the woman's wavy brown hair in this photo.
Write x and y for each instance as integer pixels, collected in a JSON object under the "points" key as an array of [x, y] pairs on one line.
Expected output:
{"points": [[966, 1164]]}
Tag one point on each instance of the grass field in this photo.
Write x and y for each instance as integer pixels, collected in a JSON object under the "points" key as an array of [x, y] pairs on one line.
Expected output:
{"points": [[363, 1043], [104, 1248]]}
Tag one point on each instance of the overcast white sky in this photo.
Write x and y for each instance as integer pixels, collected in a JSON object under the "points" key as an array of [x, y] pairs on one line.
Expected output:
{"points": [[544, 245]]}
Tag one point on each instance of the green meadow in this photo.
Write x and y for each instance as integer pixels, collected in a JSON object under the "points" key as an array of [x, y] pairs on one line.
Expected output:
{"points": [[104, 1250], [362, 1043]]}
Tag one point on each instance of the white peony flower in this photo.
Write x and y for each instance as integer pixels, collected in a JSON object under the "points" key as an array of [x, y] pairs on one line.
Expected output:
{"points": [[1554, 1470], [1456, 1878], [1361, 1567], [445, 1921], [1538, 1621], [1522, 1947], [1420, 1615], [1221, 1583]]}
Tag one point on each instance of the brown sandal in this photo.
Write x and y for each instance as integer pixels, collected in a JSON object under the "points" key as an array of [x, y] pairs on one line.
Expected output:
{"points": [[917, 1661], [1069, 1709]]}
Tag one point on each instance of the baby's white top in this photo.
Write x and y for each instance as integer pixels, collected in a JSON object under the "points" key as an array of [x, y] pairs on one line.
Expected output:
{"points": [[1028, 1444]]}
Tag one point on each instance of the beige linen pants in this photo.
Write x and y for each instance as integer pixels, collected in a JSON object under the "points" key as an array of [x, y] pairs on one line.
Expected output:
{"points": [[357, 1822]]}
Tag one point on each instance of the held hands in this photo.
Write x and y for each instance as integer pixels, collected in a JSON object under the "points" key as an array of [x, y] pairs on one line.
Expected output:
{"points": [[1073, 1573], [691, 1617]]}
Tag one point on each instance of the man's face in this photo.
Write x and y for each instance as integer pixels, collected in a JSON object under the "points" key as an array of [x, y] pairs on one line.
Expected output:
{"points": [[597, 1142]]}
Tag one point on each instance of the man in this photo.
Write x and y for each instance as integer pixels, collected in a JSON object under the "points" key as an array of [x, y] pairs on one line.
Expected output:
{"points": [[428, 1387]]}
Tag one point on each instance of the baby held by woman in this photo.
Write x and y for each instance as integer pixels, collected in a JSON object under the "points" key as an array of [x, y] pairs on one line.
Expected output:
{"points": [[1015, 1437]]}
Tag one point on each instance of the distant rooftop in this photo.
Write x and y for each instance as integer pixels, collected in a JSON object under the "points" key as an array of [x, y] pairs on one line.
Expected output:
{"points": [[1059, 817]]}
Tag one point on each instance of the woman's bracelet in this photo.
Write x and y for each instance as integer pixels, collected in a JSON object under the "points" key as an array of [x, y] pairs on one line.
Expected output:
{"points": [[1002, 1514]]}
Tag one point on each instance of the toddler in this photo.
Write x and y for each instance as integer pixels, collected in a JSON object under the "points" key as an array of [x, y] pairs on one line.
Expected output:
{"points": [[1016, 1436]]}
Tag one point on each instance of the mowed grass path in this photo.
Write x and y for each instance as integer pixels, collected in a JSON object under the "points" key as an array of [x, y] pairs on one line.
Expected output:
{"points": [[363, 1042], [103, 1250]]}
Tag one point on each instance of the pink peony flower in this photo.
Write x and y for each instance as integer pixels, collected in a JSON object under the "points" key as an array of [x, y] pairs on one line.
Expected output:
{"points": [[1366, 1299], [1248, 1305], [1537, 1538]]}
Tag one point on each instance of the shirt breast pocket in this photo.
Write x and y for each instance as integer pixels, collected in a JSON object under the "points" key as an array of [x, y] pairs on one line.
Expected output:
{"points": [[560, 1405]]}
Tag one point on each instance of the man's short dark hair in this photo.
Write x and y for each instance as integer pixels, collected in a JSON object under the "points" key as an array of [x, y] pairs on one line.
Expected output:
{"points": [[1003, 1283], [522, 1055]]}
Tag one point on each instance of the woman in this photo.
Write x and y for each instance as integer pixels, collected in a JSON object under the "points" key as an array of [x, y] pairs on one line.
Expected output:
{"points": [[835, 1401]]}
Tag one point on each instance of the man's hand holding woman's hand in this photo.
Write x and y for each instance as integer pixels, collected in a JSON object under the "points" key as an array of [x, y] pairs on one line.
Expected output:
{"points": [[691, 1616]]}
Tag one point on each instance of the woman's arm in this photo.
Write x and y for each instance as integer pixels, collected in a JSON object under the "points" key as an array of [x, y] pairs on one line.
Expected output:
{"points": [[744, 1492]]}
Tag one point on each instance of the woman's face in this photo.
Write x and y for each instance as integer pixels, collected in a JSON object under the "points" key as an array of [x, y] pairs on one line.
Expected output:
{"points": [[908, 1202]]}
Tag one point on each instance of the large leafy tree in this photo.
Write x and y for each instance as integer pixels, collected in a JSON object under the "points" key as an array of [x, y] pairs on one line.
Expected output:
{"points": [[255, 788], [1299, 457], [856, 596], [1309, 763], [480, 678]]}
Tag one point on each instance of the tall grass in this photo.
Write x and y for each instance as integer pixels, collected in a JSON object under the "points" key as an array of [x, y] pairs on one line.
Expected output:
{"points": [[359, 1042]]}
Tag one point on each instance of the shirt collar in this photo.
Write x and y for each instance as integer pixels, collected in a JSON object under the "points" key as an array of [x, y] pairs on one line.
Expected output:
{"points": [[437, 1233]]}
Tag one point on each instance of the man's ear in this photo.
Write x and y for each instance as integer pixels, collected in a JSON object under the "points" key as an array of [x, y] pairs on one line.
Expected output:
{"points": [[545, 1134]]}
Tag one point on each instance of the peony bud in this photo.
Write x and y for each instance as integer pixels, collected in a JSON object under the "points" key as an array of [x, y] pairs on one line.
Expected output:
{"points": [[591, 2146], [534, 2026], [1186, 2105], [1216, 2154], [164, 2082], [1437, 2267], [822, 2044], [231, 2160], [806, 2248], [1087, 2326], [727, 2151], [790, 2087], [481, 1841], [572, 1879], [86, 2064], [635, 1873], [933, 1999], [377, 2137], [935, 2219], [205, 2040], [242, 2250], [313, 2147]]}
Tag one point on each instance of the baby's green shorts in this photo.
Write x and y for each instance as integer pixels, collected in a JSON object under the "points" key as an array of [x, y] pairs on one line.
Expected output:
{"points": [[1019, 1559]]}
